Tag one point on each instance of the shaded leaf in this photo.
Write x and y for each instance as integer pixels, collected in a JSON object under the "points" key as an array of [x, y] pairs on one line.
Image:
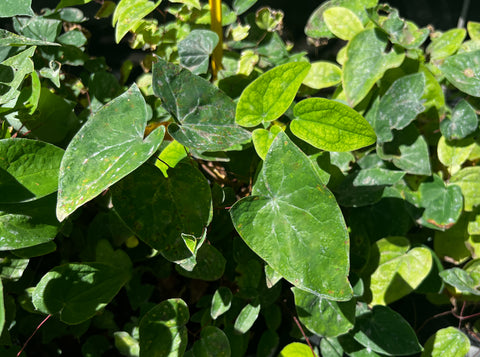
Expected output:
{"points": [[461, 280], [38, 27], [247, 317], [463, 122], [213, 342], [221, 302], [210, 264], [195, 50], [240, 6], [447, 342]]}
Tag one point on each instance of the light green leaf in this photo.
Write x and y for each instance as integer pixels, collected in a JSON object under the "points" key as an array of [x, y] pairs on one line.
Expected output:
{"points": [[377, 176], [247, 317], [213, 342], [342, 22], [375, 332], [330, 125], [449, 342], [326, 318], [190, 3], [67, 3], [468, 179], [296, 349], [162, 329], [461, 280], [195, 50], [453, 154], [399, 106], [129, 14], [464, 121], [473, 29], [298, 230], [433, 94], [205, 115], [13, 71], [463, 71], [240, 6], [221, 302], [10, 8], [28, 169], [173, 153], [270, 95], [446, 44], [367, 61], [126, 344], [107, 148], [38, 27], [248, 60], [262, 139], [2, 308], [160, 210], [77, 291], [323, 74], [268, 19]]}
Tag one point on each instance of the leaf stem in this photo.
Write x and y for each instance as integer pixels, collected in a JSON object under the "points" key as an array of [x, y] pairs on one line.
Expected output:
{"points": [[304, 335], [34, 332]]}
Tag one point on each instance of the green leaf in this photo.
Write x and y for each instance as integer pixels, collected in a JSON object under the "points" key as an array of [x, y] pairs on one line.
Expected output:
{"points": [[28, 224], [210, 264], [473, 29], [247, 317], [195, 50], [468, 179], [367, 61], [326, 318], [205, 114], [128, 15], [398, 107], [447, 342], [451, 245], [269, 19], [12, 267], [262, 139], [10, 8], [162, 329], [107, 148], [28, 169], [77, 291], [445, 44], [173, 153], [270, 95], [375, 332], [463, 71], [463, 122], [298, 231], [296, 349], [397, 276], [330, 125], [2, 308], [453, 154], [443, 204], [161, 210], [38, 27], [126, 344], [213, 342], [190, 3], [221, 302], [240, 6], [67, 3], [342, 22], [12, 39], [461, 280], [12, 72], [323, 74]]}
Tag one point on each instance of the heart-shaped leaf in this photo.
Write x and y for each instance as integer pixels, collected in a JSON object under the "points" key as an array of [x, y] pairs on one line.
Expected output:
{"points": [[195, 50], [463, 71], [213, 342], [106, 149], [128, 15], [342, 22], [447, 339], [323, 74], [468, 179], [463, 122], [15, 8], [297, 229]]}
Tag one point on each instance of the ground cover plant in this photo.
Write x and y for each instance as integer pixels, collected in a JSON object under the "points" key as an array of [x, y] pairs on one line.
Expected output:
{"points": [[231, 196]]}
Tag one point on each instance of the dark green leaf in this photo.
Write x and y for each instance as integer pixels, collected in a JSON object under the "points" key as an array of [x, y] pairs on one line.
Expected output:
{"points": [[221, 302], [240, 6], [463, 71], [463, 122], [195, 50], [247, 317], [38, 28], [210, 265], [12, 72], [447, 342], [293, 227], [11, 267], [2, 309], [12, 39], [213, 342], [461, 280], [205, 114]]}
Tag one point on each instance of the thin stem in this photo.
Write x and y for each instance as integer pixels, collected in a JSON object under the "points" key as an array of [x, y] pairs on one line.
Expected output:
{"points": [[304, 336], [463, 14], [34, 332]]}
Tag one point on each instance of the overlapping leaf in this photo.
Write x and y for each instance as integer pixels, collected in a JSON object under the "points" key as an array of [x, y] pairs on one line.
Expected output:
{"points": [[463, 71], [447, 342], [195, 50], [293, 222], [128, 15]]}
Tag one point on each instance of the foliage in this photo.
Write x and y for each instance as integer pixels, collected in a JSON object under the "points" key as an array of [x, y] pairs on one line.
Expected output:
{"points": [[276, 204]]}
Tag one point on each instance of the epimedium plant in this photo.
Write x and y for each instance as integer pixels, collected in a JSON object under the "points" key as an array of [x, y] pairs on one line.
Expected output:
{"points": [[238, 198]]}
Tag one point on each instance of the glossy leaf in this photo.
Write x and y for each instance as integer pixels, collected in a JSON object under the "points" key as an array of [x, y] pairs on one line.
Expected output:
{"points": [[463, 71], [326, 318], [173, 153], [247, 317], [106, 149], [13, 71], [461, 280], [453, 154], [296, 349], [66, 3], [240, 6], [221, 302], [126, 344], [174, 212], [195, 50], [128, 15], [210, 264], [10, 8], [262, 139], [375, 332], [77, 291], [12, 267], [468, 179], [447, 342], [28, 169], [330, 125], [323, 74], [464, 121], [205, 117], [292, 228], [162, 329], [38, 27], [366, 63], [446, 44], [399, 106], [8, 38], [473, 29], [213, 342], [270, 95], [342, 22]]}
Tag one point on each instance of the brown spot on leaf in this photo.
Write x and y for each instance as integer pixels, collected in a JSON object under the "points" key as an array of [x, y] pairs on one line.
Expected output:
{"points": [[469, 73], [443, 226]]}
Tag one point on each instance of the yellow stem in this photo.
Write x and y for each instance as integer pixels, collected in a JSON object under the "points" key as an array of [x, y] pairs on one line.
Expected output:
{"points": [[216, 26]]}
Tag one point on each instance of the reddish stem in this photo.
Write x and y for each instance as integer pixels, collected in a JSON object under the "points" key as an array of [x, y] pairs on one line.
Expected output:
{"points": [[34, 332], [305, 336]]}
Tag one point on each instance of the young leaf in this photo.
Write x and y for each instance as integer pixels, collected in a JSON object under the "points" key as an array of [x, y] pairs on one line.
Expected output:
{"points": [[342, 22], [195, 50], [106, 149], [162, 329], [464, 121], [270, 95], [298, 231], [463, 71], [323, 74], [221, 302], [447, 342], [330, 125], [295, 349], [213, 342], [445, 44], [28, 169], [468, 179], [77, 291], [326, 318], [205, 114], [367, 61], [247, 317], [262, 139], [453, 154]]}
